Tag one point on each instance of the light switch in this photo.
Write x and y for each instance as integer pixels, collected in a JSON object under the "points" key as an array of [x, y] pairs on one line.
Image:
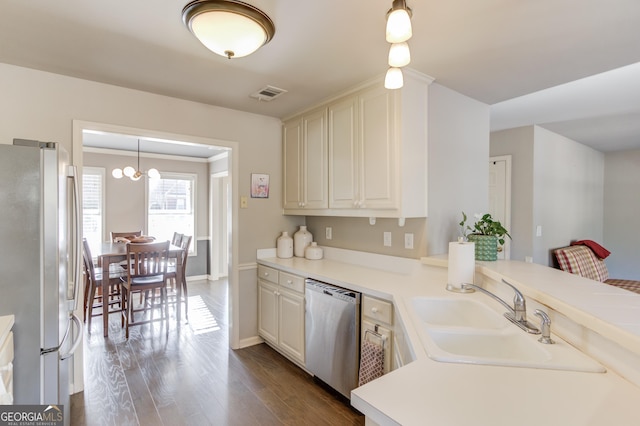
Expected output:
{"points": [[244, 203], [328, 234], [539, 231]]}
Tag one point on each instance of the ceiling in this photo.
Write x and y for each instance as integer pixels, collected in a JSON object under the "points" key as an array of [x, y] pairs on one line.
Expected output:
{"points": [[495, 51]]}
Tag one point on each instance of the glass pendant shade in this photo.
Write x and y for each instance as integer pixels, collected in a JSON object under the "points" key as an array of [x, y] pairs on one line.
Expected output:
{"points": [[398, 26], [153, 173], [393, 79], [230, 28], [399, 55], [117, 173], [129, 171]]}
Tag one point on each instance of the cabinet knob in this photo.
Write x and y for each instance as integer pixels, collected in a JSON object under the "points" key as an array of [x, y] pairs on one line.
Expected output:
{"points": [[266, 274], [375, 310], [289, 281]]}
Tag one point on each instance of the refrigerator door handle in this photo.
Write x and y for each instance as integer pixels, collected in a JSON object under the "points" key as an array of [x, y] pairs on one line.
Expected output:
{"points": [[77, 340], [77, 251]]}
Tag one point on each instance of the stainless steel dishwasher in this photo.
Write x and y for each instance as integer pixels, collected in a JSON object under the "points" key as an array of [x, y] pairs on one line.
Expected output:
{"points": [[332, 335]]}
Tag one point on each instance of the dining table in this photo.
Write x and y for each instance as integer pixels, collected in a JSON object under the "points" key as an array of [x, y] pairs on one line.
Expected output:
{"points": [[115, 252]]}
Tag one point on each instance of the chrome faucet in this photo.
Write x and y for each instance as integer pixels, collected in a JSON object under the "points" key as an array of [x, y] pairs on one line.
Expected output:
{"points": [[516, 314]]}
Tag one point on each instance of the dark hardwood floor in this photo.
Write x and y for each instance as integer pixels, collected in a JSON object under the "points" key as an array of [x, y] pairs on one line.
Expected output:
{"points": [[192, 377]]}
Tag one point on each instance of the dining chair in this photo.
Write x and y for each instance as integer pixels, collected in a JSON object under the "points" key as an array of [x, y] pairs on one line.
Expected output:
{"points": [[93, 285], [115, 236], [172, 271], [146, 274], [177, 239]]}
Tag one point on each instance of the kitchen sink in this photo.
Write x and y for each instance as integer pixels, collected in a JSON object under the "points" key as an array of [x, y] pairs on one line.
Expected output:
{"points": [[457, 313], [464, 330]]}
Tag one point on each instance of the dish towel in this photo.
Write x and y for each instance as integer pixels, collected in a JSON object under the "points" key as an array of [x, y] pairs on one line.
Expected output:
{"points": [[371, 362]]}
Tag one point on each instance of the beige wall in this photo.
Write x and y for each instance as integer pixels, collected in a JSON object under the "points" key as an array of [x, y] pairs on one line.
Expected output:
{"points": [[125, 199], [43, 106]]}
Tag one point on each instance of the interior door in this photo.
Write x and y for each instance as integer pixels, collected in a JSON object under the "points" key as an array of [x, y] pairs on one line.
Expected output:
{"points": [[500, 196]]}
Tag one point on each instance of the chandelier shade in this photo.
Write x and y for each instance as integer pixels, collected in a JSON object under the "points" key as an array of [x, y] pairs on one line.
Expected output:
{"points": [[134, 173], [229, 28]]}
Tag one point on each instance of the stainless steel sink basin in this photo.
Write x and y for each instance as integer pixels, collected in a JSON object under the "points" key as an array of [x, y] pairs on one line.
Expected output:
{"points": [[465, 330]]}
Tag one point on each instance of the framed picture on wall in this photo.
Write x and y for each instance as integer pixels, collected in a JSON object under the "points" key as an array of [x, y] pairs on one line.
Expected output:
{"points": [[259, 185]]}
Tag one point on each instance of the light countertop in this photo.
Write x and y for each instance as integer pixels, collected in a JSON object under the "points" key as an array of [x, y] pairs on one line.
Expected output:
{"points": [[431, 392]]}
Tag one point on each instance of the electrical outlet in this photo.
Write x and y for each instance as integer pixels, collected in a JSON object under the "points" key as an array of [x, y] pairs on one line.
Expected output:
{"points": [[387, 239], [539, 231], [328, 233], [408, 241]]}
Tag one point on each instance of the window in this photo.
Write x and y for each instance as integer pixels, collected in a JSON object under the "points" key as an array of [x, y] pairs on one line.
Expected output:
{"points": [[171, 206], [93, 204]]}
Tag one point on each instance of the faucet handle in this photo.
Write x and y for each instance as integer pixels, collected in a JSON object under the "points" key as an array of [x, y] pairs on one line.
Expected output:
{"points": [[545, 327]]}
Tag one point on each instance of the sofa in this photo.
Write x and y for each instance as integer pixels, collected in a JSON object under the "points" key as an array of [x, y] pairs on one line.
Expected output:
{"points": [[581, 260]]}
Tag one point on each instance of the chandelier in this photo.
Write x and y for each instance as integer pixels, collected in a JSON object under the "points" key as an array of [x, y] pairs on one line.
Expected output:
{"points": [[229, 28], [134, 173], [397, 33]]}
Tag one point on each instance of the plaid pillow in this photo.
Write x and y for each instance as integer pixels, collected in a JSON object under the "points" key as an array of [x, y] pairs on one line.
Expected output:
{"points": [[580, 260], [630, 285]]}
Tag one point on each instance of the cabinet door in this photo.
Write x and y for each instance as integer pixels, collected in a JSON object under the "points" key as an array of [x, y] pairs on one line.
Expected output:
{"points": [[292, 163], [343, 153], [377, 149], [387, 343], [291, 329], [268, 311], [314, 167]]}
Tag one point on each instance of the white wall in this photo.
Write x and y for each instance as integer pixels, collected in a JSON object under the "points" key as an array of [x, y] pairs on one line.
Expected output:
{"points": [[568, 193], [458, 164], [519, 144], [621, 212], [43, 106], [557, 185]]}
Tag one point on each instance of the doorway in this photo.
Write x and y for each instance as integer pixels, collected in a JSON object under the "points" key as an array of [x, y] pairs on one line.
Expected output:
{"points": [[500, 196], [184, 141]]}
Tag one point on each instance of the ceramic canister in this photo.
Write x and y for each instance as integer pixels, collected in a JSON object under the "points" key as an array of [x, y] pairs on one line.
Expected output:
{"points": [[313, 252], [284, 246], [301, 240]]}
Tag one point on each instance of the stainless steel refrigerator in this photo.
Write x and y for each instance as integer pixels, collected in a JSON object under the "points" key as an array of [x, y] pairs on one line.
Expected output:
{"points": [[40, 273]]}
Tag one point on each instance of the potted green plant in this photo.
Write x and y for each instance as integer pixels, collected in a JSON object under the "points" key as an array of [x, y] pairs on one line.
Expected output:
{"points": [[487, 234]]}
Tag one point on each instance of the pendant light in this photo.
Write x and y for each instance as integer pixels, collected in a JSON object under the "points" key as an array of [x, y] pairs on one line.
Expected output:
{"points": [[394, 78], [399, 22], [399, 54], [135, 174], [230, 28], [398, 31]]}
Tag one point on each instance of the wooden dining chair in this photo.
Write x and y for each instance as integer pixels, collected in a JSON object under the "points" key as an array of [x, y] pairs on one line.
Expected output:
{"points": [[93, 297], [115, 236], [172, 278], [146, 274], [177, 239]]}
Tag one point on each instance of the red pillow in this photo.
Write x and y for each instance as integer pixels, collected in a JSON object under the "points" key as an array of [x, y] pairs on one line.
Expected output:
{"points": [[599, 251]]}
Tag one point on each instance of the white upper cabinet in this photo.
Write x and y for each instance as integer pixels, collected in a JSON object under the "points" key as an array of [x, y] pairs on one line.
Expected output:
{"points": [[377, 153], [305, 161]]}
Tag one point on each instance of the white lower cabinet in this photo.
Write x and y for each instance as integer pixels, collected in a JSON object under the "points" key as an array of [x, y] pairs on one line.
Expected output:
{"points": [[377, 318], [281, 311]]}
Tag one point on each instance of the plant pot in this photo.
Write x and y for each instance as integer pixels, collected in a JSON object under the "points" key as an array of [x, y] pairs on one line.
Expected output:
{"points": [[486, 246]]}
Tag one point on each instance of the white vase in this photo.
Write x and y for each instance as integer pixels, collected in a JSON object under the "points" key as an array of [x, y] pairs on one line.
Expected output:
{"points": [[301, 240], [284, 246], [313, 252]]}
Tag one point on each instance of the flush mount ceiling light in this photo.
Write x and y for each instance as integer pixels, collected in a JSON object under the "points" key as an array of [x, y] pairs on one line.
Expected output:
{"points": [[229, 28], [397, 33], [135, 174]]}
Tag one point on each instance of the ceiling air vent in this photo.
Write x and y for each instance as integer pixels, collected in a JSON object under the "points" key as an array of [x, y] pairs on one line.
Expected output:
{"points": [[267, 93]]}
